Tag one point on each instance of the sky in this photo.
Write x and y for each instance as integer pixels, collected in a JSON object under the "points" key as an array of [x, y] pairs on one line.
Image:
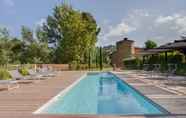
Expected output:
{"points": [[159, 20]]}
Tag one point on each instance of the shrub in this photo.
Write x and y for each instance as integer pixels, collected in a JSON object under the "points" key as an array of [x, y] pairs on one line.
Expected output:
{"points": [[133, 63], [74, 65], [5, 75], [181, 69], [24, 71], [172, 58], [154, 59], [176, 59]]}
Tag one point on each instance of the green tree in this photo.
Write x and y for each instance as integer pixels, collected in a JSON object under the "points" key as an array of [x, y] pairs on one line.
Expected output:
{"points": [[149, 44], [27, 35], [41, 35], [36, 53], [17, 49], [100, 58], [4, 33], [107, 51], [73, 32], [5, 46]]}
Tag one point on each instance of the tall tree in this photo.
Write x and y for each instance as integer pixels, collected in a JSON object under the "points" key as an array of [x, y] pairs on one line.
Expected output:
{"points": [[4, 33], [36, 53], [35, 50], [107, 51], [73, 32], [17, 48], [101, 58], [5, 47], [41, 35], [27, 35]]}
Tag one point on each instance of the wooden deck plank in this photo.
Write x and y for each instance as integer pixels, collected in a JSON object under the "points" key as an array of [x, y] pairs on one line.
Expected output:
{"points": [[22, 102]]}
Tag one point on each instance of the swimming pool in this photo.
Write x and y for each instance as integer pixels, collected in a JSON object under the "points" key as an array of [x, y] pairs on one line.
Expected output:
{"points": [[101, 94]]}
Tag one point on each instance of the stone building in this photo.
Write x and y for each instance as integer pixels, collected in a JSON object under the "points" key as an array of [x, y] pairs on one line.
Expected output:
{"points": [[125, 49]]}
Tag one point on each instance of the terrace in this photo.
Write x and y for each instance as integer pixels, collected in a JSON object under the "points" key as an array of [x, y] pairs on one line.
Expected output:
{"points": [[22, 102]]}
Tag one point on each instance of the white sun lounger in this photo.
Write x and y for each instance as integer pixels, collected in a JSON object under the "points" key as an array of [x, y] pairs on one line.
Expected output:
{"points": [[22, 79], [36, 75], [16, 75], [46, 73]]}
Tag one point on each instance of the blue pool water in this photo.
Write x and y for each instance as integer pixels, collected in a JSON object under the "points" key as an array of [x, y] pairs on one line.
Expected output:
{"points": [[103, 94]]}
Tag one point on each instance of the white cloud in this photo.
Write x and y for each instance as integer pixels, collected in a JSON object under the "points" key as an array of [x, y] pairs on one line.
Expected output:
{"points": [[120, 30], [9, 3], [128, 25], [162, 19], [40, 22], [140, 26], [175, 22], [181, 24], [111, 32]]}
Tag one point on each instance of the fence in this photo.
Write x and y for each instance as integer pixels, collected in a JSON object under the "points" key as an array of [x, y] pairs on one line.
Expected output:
{"points": [[58, 67], [13, 67]]}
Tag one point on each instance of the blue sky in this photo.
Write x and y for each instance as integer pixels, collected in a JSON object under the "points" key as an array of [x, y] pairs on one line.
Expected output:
{"points": [[140, 20]]}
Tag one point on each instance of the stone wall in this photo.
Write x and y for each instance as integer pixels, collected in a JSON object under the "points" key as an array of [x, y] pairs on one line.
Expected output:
{"points": [[125, 49]]}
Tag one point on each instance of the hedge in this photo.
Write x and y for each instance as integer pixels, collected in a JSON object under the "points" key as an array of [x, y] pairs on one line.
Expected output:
{"points": [[133, 63]]}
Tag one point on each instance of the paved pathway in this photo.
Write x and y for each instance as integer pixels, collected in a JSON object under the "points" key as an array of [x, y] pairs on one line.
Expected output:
{"points": [[171, 101]]}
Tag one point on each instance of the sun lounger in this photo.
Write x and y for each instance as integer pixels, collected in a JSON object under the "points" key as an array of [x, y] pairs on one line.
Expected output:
{"points": [[20, 78], [16, 75], [171, 70], [36, 75], [8, 85], [152, 71], [46, 72]]}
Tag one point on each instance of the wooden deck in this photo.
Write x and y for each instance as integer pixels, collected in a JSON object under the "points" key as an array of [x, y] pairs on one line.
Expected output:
{"points": [[22, 102]]}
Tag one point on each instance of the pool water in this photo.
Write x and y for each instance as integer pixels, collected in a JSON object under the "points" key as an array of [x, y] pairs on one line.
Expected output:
{"points": [[103, 94]]}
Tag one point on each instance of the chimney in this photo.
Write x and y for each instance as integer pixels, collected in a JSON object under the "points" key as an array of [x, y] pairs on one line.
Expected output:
{"points": [[125, 38]]}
